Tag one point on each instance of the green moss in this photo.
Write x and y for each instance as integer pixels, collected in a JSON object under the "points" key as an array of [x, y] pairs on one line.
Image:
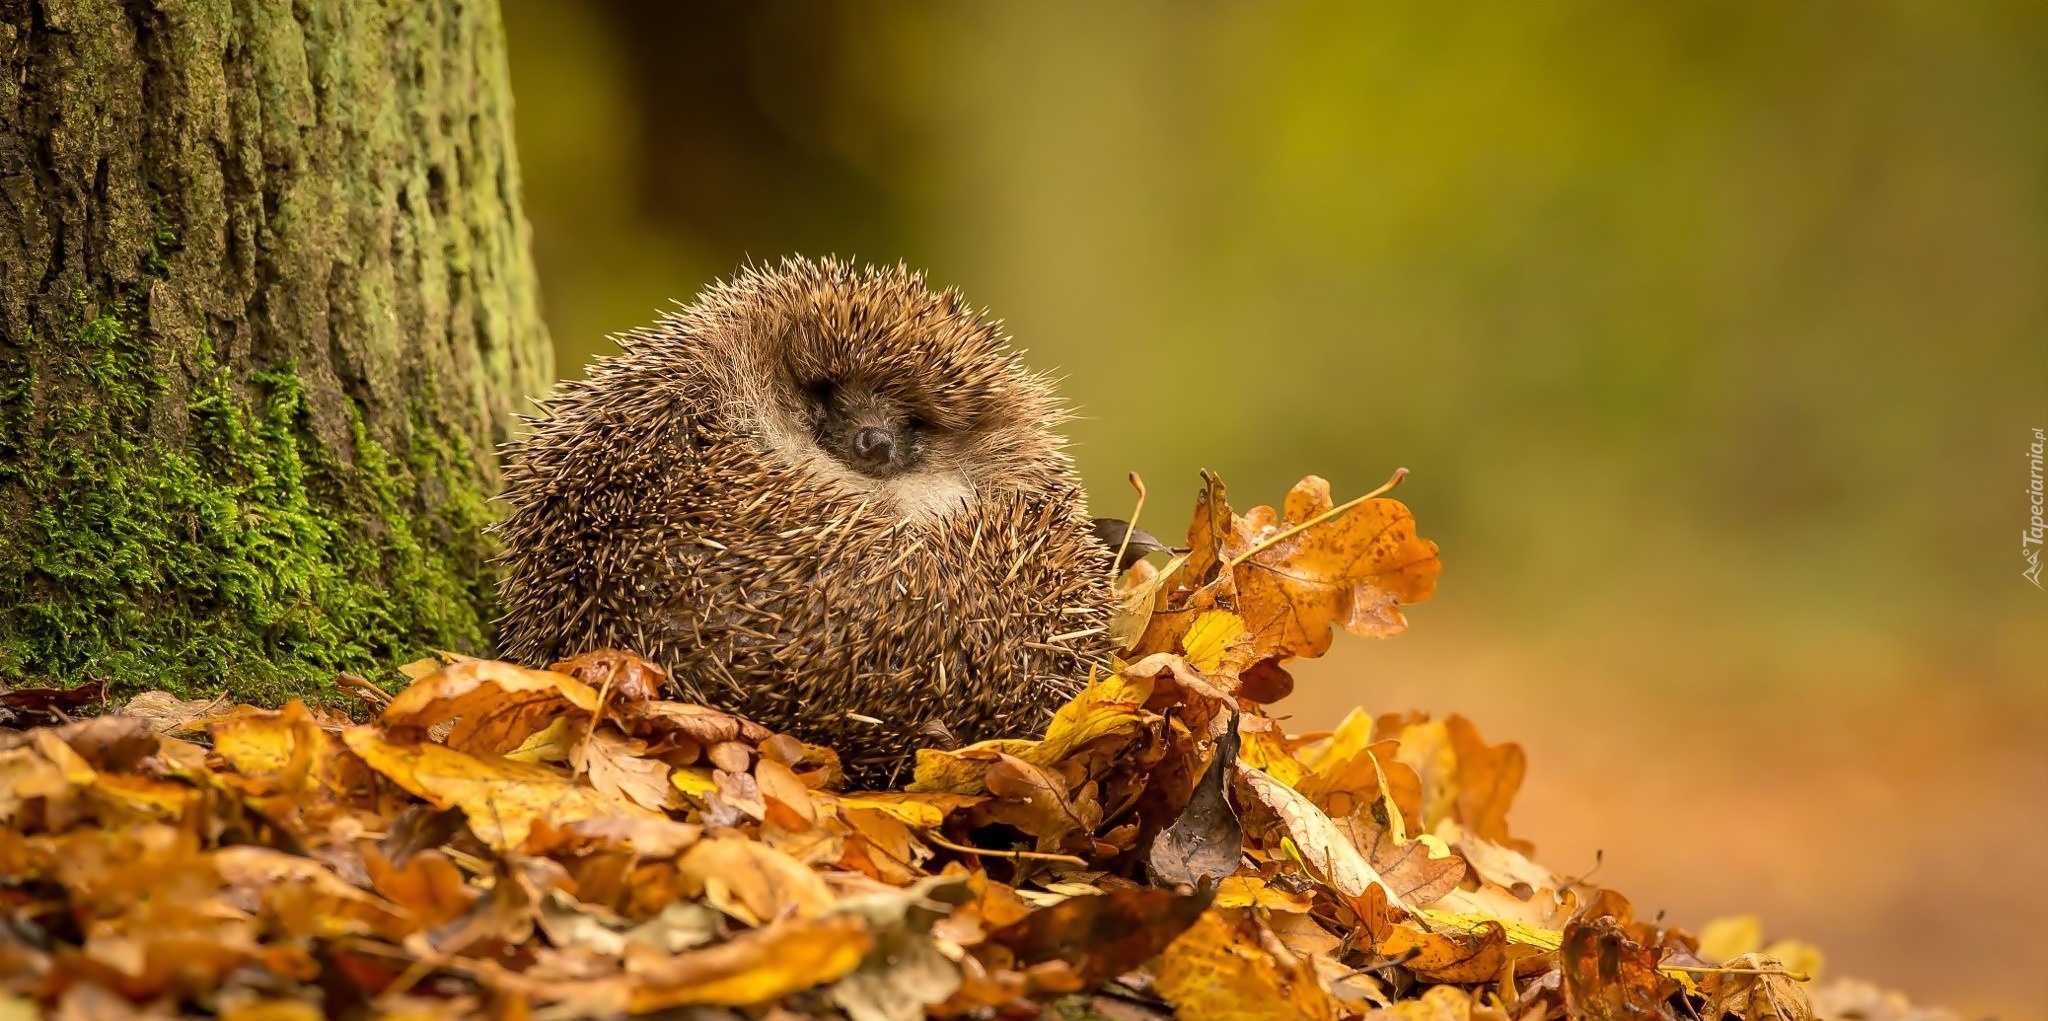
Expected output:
{"points": [[244, 556]]}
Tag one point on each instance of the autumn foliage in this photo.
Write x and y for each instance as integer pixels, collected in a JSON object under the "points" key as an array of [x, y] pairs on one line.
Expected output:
{"points": [[504, 842]]}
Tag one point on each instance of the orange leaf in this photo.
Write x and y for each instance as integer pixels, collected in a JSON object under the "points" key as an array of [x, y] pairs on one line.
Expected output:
{"points": [[1355, 570]]}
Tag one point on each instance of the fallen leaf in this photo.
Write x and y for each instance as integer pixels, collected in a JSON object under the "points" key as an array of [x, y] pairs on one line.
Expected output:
{"points": [[1222, 969], [1354, 570], [1610, 976], [495, 706], [1323, 847], [502, 798], [1103, 935], [615, 764], [1205, 843], [754, 967], [1762, 991], [752, 882]]}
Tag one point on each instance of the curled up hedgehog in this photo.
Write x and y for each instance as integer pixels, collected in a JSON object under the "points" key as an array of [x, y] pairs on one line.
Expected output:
{"points": [[826, 497]]}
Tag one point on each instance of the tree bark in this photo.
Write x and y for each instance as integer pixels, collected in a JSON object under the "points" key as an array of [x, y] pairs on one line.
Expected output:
{"points": [[266, 310]]}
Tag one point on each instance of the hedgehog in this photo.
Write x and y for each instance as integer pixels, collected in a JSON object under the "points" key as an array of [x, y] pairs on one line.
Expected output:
{"points": [[827, 497]]}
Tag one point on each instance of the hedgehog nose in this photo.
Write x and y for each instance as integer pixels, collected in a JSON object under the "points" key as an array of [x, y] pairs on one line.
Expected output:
{"points": [[873, 445]]}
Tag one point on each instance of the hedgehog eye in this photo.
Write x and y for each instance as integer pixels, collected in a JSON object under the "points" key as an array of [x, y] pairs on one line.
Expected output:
{"points": [[818, 397]]}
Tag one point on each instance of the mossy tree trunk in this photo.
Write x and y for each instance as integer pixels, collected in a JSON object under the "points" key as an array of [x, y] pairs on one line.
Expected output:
{"points": [[266, 309]]}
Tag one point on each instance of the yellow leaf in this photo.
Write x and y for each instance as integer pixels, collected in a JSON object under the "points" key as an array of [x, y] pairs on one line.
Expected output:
{"points": [[1111, 703], [1137, 598], [753, 882], [1251, 891], [918, 811], [694, 781], [496, 706], [1354, 570], [1210, 638], [1438, 1003], [502, 798], [1725, 939], [1804, 958], [755, 967], [1518, 933], [1264, 751], [548, 744], [1219, 971]]}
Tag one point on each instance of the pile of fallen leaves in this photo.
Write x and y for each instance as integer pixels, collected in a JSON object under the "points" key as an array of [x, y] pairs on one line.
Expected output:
{"points": [[511, 843]]}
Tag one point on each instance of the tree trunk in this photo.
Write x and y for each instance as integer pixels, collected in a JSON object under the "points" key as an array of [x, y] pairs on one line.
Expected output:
{"points": [[266, 309]]}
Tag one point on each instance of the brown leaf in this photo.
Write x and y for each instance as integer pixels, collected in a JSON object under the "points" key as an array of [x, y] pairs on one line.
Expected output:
{"points": [[1035, 800], [1449, 955], [428, 885], [43, 706], [1488, 777], [1438, 1003], [681, 721], [622, 676], [1205, 843], [496, 706], [614, 764], [1324, 847], [1610, 976], [169, 714], [1769, 993], [1103, 935]]}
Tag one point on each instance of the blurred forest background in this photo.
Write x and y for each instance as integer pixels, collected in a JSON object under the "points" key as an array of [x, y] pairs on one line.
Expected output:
{"points": [[1713, 334]]}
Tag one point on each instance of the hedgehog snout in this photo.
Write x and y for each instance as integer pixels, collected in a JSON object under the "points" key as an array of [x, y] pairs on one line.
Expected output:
{"points": [[875, 446]]}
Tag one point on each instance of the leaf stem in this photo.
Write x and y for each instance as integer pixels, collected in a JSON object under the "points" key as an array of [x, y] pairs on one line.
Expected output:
{"points": [[1796, 976], [1115, 566], [1266, 543], [1033, 855]]}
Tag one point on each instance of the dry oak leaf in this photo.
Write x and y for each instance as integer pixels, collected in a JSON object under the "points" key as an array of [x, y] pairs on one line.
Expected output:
{"points": [[1251, 891], [169, 714], [1610, 976], [615, 764], [757, 966], [751, 881], [502, 799], [286, 752], [1438, 1003], [1355, 570], [1112, 705], [1103, 935], [1035, 799], [1324, 848], [1354, 766], [1191, 584], [262, 743], [1218, 642], [1462, 777], [1225, 969], [303, 897], [429, 886], [1768, 993], [496, 706]]}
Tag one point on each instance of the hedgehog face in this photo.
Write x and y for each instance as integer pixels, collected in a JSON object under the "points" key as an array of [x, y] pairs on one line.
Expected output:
{"points": [[870, 432], [879, 387]]}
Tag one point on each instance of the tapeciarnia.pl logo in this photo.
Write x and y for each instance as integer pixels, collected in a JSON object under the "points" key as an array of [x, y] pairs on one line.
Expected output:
{"points": [[2030, 540]]}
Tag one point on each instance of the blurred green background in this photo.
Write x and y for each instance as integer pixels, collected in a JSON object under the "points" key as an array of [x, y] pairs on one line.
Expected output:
{"points": [[1713, 334]]}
